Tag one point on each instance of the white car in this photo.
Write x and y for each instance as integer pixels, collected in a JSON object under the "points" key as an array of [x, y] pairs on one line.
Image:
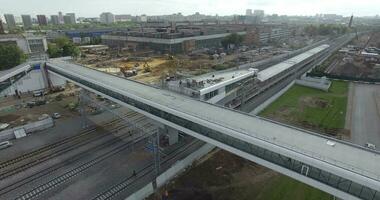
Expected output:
{"points": [[5, 144], [370, 146], [56, 115]]}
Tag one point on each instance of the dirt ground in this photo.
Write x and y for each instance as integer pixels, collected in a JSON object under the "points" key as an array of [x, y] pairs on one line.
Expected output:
{"points": [[152, 68], [216, 177], [15, 112], [224, 176]]}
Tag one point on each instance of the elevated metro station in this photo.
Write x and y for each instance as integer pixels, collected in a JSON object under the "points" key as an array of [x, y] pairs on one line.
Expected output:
{"points": [[345, 170]]}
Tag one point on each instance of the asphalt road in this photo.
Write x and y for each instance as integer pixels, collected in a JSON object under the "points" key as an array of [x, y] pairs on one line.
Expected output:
{"points": [[365, 116]]}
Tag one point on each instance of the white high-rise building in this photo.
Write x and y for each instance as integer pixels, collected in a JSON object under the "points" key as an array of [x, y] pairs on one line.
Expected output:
{"points": [[73, 20], [107, 18], [248, 12], [60, 18]]}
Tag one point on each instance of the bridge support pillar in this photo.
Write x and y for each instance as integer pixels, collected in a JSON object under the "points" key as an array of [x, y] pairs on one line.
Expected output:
{"points": [[170, 132]]}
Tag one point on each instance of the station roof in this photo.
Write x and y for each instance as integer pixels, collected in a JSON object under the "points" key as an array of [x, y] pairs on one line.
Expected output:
{"points": [[280, 67]]}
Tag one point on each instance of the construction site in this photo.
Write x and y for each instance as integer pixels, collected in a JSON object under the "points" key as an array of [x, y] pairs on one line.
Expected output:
{"points": [[359, 60], [149, 56]]}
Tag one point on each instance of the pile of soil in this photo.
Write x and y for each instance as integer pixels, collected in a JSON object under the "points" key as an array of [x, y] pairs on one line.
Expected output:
{"points": [[9, 118], [314, 102]]}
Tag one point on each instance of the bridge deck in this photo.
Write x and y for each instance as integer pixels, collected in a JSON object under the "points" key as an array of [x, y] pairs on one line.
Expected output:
{"points": [[342, 155]]}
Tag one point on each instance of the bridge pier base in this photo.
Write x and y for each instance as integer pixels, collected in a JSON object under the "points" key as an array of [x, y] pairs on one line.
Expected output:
{"points": [[170, 132]]}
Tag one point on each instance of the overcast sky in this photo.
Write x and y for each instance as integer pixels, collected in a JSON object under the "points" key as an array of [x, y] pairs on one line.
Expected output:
{"points": [[92, 8]]}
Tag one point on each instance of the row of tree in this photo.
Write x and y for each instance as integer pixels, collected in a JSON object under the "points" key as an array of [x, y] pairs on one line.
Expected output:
{"points": [[325, 29], [232, 39], [11, 55], [62, 47]]}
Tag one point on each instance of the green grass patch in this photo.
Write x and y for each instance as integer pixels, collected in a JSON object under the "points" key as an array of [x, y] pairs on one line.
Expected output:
{"points": [[284, 188], [311, 107]]}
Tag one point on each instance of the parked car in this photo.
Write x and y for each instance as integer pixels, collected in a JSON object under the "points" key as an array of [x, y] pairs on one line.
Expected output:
{"points": [[56, 115], [39, 93], [5, 144], [370, 146]]}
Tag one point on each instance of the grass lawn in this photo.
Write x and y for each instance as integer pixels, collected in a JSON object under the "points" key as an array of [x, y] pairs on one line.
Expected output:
{"points": [[311, 107], [284, 188]]}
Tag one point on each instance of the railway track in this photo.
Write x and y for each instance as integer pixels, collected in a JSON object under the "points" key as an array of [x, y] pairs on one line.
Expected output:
{"points": [[63, 164], [38, 159], [149, 169], [25, 161], [50, 147], [57, 181]]}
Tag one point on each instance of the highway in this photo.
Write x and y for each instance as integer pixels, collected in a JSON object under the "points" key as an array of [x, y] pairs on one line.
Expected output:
{"points": [[365, 115]]}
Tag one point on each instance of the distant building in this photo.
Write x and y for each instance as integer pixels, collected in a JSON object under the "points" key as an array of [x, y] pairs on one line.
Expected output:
{"points": [[60, 18], [91, 19], [68, 19], [1, 27], [248, 12], [72, 18], [11, 22], [29, 44], [142, 18], [54, 19], [107, 18], [42, 20], [123, 18], [27, 21]]}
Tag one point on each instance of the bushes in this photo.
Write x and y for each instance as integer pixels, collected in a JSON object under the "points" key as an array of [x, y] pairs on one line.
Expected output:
{"points": [[11, 56], [62, 47]]}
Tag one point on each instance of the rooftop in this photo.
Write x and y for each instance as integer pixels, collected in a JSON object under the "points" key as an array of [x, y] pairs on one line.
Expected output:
{"points": [[212, 81], [280, 67]]}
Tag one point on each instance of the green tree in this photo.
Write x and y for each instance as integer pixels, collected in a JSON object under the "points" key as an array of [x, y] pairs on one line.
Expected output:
{"points": [[233, 38], [10, 56], [62, 46]]}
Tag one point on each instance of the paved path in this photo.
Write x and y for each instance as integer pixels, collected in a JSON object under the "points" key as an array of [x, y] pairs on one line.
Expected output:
{"points": [[365, 119]]}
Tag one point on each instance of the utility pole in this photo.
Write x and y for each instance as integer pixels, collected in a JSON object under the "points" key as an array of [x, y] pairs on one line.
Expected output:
{"points": [[82, 100], [156, 151]]}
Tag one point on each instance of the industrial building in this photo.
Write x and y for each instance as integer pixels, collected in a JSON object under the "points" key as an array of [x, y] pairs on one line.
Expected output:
{"points": [[178, 38]]}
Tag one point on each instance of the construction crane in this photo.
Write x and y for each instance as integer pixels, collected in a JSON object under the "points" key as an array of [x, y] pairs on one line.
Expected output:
{"points": [[366, 44]]}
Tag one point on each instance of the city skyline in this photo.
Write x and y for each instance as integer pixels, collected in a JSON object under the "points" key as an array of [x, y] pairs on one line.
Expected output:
{"points": [[209, 7]]}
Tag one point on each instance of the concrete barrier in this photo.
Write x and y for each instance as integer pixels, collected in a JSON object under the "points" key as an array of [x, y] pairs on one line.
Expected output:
{"points": [[142, 193], [316, 83], [181, 165], [8, 134], [171, 172]]}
